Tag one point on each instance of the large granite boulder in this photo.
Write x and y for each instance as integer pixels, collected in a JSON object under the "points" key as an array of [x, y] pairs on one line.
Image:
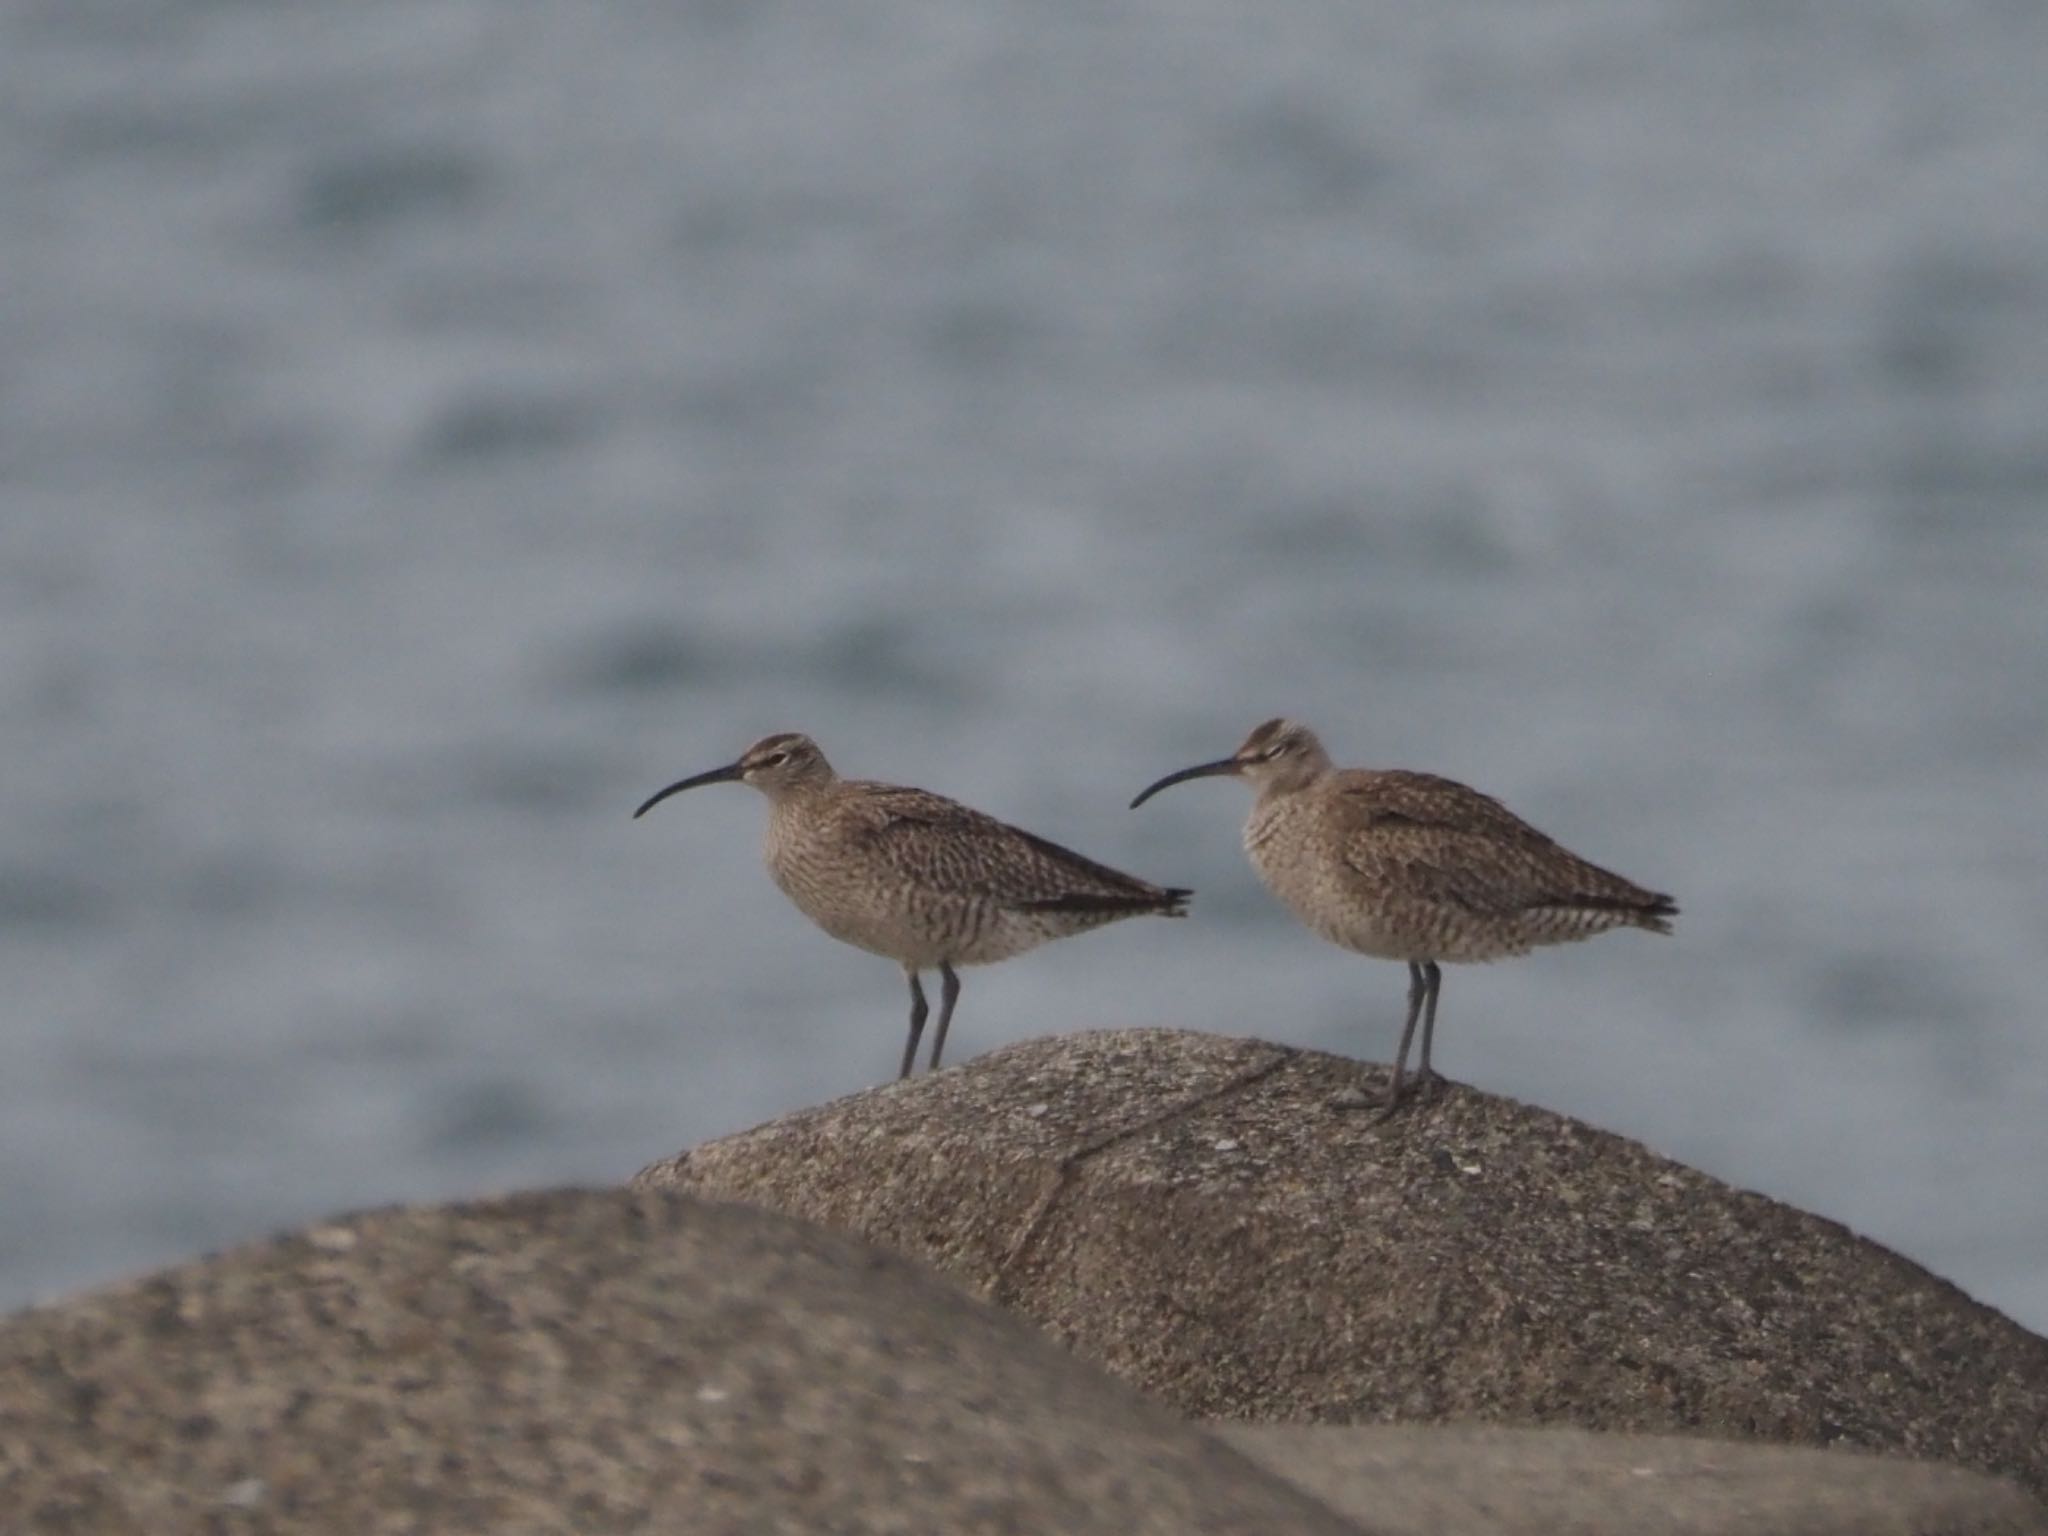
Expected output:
{"points": [[585, 1363], [1191, 1212], [590, 1363]]}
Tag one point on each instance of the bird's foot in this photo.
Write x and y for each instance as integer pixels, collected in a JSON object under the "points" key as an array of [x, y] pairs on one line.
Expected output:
{"points": [[1430, 1084], [1423, 1088], [1358, 1097]]}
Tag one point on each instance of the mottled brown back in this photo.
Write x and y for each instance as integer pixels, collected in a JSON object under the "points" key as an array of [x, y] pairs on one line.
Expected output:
{"points": [[1450, 842]]}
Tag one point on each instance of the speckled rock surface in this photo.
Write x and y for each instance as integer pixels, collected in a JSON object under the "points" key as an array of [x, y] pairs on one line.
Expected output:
{"points": [[1420, 1480], [1189, 1211], [585, 1363]]}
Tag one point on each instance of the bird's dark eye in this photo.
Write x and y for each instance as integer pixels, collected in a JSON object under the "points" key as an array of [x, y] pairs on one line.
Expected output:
{"points": [[775, 759]]}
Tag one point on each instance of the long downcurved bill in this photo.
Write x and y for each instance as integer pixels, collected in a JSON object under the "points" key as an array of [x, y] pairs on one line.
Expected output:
{"points": [[725, 775], [1199, 771]]}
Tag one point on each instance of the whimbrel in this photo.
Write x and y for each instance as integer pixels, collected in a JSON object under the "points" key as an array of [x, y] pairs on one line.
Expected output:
{"points": [[1409, 866], [919, 878]]}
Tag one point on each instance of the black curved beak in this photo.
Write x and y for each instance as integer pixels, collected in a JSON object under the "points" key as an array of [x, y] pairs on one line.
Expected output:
{"points": [[1222, 765], [730, 773]]}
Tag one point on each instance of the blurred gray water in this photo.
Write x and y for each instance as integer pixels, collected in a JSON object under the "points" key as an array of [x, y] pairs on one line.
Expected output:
{"points": [[429, 426]]}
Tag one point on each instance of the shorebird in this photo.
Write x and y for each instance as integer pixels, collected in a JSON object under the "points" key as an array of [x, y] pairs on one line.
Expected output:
{"points": [[1409, 866], [918, 878]]}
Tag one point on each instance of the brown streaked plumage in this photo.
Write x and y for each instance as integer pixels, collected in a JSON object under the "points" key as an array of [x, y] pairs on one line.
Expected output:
{"points": [[1409, 866], [918, 878]]}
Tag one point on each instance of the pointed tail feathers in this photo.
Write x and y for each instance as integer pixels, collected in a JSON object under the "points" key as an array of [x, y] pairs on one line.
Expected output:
{"points": [[1169, 902]]}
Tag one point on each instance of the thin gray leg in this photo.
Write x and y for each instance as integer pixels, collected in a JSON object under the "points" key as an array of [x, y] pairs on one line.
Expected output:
{"points": [[1433, 979], [1416, 989], [949, 994], [918, 1010]]}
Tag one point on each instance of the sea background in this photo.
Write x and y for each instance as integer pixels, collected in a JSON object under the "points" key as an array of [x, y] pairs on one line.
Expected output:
{"points": [[427, 427]]}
